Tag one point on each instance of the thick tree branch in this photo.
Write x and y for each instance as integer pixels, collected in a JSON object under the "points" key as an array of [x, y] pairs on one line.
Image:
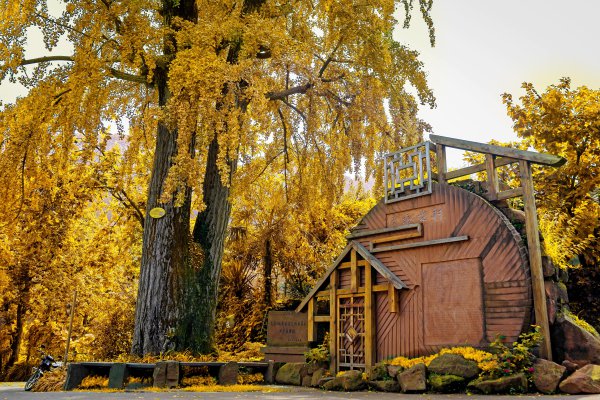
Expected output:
{"points": [[127, 77], [40, 60], [281, 95], [330, 58]]}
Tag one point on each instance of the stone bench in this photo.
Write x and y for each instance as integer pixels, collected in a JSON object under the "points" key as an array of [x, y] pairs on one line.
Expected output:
{"points": [[163, 373]]}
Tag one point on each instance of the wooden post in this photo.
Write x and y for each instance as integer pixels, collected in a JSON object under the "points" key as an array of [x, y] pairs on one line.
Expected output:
{"points": [[535, 258], [333, 335], [392, 298], [440, 151], [492, 177], [66, 358], [311, 320], [369, 331], [354, 272]]}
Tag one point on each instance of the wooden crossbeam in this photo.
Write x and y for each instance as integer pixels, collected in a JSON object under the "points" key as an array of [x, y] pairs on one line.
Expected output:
{"points": [[421, 244], [531, 156]]}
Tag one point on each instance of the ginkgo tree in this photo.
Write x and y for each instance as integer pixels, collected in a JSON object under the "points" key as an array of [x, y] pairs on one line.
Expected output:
{"points": [[206, 87]]}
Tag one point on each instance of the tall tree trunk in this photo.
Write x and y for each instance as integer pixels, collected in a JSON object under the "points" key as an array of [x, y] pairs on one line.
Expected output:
{"points": [[165, 252], [15, 345], [210, 231], [267, 274]]}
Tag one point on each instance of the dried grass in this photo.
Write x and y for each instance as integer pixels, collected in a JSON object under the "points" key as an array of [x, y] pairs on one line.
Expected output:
{"points": [[52, 381]]}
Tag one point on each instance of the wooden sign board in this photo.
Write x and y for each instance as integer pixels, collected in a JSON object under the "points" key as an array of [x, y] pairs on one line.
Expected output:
{"points": [[287, 329]]}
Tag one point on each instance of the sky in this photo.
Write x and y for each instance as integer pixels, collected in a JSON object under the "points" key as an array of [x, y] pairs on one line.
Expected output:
{"points": [[483, 49]]}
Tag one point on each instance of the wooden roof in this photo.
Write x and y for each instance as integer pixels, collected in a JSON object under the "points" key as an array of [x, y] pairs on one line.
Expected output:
{"points": [[364, 253]]}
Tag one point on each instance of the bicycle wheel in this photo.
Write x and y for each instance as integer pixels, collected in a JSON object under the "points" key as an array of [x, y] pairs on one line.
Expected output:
{"points": [[33, 379]]}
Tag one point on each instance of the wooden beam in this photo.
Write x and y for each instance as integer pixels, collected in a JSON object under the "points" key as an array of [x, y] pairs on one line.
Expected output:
{"points": [[383, 287], [322, 318], [492, 177], [392, 299], [354, 272], [384, 230], [508, 194], [347, 264], [379, 266], [333, 309], [311, 320], [421, 244], [537, 158], [401, 236], [535, 258], [473, 169], [323, 279], [369, 321], [440, 152]]}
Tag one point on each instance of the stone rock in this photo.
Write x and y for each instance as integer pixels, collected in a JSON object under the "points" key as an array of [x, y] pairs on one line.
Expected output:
{"points": [[173, 374], [349, 381], [159, 376], [446, 383], [394, 370], [547, 375], [389, 385], [454, 364], [378, 372], [413, 379], [548, 267], [324, 380], [290, 374], [584, 380], [556, 298], [506, 384], [306, 381], [312, 367], [570, 366], [573, 343], [316, 377], [228, 373], [166, 374]]}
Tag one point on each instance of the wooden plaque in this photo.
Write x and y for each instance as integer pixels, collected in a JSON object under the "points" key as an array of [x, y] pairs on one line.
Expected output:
{"points": [[287, 329]]}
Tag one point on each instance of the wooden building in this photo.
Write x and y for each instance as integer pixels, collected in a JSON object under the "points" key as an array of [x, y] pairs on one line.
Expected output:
{"points": [[430, 266]]}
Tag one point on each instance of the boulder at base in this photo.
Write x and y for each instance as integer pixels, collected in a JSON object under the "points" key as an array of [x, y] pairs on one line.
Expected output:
{"points": [[349, 381], [446, 383], [413, 379], [506, 384], [389, 385], [547, 375], [584, 380], [291, 374], [454, 364], [317, 376], [573, 343]]}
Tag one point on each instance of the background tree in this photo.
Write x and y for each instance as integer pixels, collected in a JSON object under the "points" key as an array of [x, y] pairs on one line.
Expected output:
{"points": [[566, 122], [205, 86]]}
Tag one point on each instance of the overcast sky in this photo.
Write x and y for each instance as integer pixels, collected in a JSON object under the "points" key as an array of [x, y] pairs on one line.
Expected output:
{"points": [[483, 49]]}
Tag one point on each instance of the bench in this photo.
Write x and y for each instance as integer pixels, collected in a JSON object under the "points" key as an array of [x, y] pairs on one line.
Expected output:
{"points": [[164, 373]]}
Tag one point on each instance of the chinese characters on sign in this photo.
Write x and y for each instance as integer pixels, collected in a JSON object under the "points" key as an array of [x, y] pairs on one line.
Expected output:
{"points": [[414, 217], [407, 173]]}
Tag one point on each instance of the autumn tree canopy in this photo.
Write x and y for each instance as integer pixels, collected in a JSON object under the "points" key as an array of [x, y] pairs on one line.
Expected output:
{"points": [[204, 94]]}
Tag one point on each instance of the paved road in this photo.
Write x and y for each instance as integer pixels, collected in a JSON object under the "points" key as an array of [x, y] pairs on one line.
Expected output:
{"points": [[15, 391]]}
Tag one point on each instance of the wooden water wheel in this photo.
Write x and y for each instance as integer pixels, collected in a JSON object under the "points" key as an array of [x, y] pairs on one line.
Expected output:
{"points": [[465, 267]]}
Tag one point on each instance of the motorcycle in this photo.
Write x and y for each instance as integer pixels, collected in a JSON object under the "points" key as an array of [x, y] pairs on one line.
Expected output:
{"points": [[47, 364]]}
